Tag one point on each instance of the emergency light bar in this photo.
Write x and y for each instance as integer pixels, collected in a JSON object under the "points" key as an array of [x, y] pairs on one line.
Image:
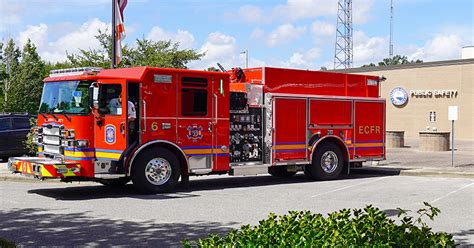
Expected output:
{"points": [[74, 71]]}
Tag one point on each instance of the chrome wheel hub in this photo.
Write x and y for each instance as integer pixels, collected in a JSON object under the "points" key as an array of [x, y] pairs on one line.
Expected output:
{"points": [[329, 162], [158, 171]]}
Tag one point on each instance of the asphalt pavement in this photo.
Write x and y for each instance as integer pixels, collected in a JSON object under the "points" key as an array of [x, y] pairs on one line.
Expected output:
{"points": [[34, 213], [86, 214]]}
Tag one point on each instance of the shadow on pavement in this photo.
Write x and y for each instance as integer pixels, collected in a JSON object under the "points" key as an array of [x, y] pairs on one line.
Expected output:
{"points": [[39, 227], [91, 192]]}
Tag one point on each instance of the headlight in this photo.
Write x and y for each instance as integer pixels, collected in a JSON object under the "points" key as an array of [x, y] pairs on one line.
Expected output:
{"points": [[81, 143], [69, 134]]}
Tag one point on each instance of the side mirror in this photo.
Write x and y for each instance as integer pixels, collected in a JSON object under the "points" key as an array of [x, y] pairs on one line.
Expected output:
{"points": [[94, 95]]}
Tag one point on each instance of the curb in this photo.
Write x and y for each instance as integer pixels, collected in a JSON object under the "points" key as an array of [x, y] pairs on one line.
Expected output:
{"points": [[434, 173], [423, 172]]}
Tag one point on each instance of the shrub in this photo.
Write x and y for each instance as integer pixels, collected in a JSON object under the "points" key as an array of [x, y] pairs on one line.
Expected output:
{"points": [[30, 145], [6, 244], [357, 227]]}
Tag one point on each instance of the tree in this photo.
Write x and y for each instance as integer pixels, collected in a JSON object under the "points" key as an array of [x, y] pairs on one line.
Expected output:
{"points": [[9, 63], [395, 60], [146, 53], [25, 92], [212, 68]]}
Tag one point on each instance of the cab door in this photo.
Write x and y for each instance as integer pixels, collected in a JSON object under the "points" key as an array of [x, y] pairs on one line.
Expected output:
{"points": [[111, 123], [195, 121]]}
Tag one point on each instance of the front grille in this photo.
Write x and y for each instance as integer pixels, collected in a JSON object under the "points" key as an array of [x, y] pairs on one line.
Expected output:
{"points": [[52, 140]]}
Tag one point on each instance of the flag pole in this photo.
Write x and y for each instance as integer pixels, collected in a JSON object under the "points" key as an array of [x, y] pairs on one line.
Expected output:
{"points": [[113, 35]]}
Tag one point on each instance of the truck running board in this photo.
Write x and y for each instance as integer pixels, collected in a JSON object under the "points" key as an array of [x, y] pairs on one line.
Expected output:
{"points": [[244, 170]]}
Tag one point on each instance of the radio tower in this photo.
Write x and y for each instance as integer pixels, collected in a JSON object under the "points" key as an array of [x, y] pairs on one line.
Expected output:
{"points": [[343, 54]]}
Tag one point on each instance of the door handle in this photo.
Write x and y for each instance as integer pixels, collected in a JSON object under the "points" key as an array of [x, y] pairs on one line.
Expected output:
{"points": [[209, 126], [122, 127]]}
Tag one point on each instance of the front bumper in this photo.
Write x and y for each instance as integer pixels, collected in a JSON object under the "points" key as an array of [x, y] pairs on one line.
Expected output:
{"points": [[43, 167]]}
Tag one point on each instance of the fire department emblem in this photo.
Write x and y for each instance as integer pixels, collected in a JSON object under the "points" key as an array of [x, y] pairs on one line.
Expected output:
{"points": [[194, 132], [110, 134]]}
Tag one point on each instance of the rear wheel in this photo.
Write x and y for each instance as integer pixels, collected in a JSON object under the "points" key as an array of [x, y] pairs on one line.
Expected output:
{"points": [[280, 171], [156, 171], [327, 162]]}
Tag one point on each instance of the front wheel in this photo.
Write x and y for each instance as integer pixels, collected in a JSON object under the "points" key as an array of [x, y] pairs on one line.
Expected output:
{"points": [[327, 162], [156, 171]]}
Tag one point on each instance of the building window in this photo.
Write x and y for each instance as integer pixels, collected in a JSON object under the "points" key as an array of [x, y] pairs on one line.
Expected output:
{"points": [[433, 116]]}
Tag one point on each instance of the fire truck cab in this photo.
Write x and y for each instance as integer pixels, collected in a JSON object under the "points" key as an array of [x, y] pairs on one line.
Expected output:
{"points": [[154, 126]]}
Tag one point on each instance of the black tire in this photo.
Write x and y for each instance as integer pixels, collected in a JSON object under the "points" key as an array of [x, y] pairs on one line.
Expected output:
{"points": [[280, 171], [321, 170], [115, 182], [162, 175]]}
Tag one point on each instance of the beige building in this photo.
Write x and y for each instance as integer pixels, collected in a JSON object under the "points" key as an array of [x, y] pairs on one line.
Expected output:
{"points": [[430, 87]]}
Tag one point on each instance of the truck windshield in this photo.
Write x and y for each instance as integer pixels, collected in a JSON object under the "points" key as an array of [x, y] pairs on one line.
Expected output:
{"points": [[69, 97]]}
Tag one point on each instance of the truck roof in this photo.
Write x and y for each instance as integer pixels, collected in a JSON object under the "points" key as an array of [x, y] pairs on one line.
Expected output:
{"points": [[131, 73]]}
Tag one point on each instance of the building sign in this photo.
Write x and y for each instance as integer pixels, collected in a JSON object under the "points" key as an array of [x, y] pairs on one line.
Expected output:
{"points": [[434, 93], [398, 96]]}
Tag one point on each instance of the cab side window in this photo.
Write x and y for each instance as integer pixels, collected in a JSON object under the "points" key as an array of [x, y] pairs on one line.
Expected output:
{"points": [[194, 96], [110, 101]]}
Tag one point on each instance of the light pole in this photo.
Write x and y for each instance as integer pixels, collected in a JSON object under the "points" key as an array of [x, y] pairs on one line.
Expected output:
{"points": [[246, 57]]}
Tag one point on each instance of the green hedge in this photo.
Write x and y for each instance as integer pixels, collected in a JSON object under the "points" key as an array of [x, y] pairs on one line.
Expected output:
{"points": [[357, 227], [6, 244]]}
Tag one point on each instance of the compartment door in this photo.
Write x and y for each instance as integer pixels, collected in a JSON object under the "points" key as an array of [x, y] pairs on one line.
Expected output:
{"points": [[369, 129], [290, 125]]}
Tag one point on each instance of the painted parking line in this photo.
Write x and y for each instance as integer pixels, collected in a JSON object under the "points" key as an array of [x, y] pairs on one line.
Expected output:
{"points": [[348, 187], [452, 192]]}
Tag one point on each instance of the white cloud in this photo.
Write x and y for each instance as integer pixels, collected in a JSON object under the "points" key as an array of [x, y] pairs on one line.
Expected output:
{"points": [[185, 38], [369, 49], [257, 33], [321, 28], [250, 13], [10, 13], [361, 11], [299, 9], [79, 38], [218, 48], [284, 33], [303, 60], [440, 47], [37, 34]]}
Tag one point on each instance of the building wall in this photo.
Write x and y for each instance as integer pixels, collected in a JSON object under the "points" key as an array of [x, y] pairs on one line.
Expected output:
{"points": [[414, 116]]}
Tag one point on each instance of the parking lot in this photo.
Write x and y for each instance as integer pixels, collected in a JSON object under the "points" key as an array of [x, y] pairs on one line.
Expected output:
{"points": [[90, 214]]}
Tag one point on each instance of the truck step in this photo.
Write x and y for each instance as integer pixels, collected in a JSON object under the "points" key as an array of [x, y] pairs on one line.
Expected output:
{"points": [[245, 170]]}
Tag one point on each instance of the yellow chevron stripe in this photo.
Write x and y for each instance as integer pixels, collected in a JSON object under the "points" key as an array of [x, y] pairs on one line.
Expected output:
{"points": [[365, 144], [204, 151], [110, 155], [45, 172], [283, 147], [368, 144], [77, 154]]}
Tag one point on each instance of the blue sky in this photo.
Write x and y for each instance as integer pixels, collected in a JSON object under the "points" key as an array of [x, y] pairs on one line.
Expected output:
{"points": [[291, 33]]}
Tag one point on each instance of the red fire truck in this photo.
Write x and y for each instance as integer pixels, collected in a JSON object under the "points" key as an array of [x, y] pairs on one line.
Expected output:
{"points": [[154, 126]]}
